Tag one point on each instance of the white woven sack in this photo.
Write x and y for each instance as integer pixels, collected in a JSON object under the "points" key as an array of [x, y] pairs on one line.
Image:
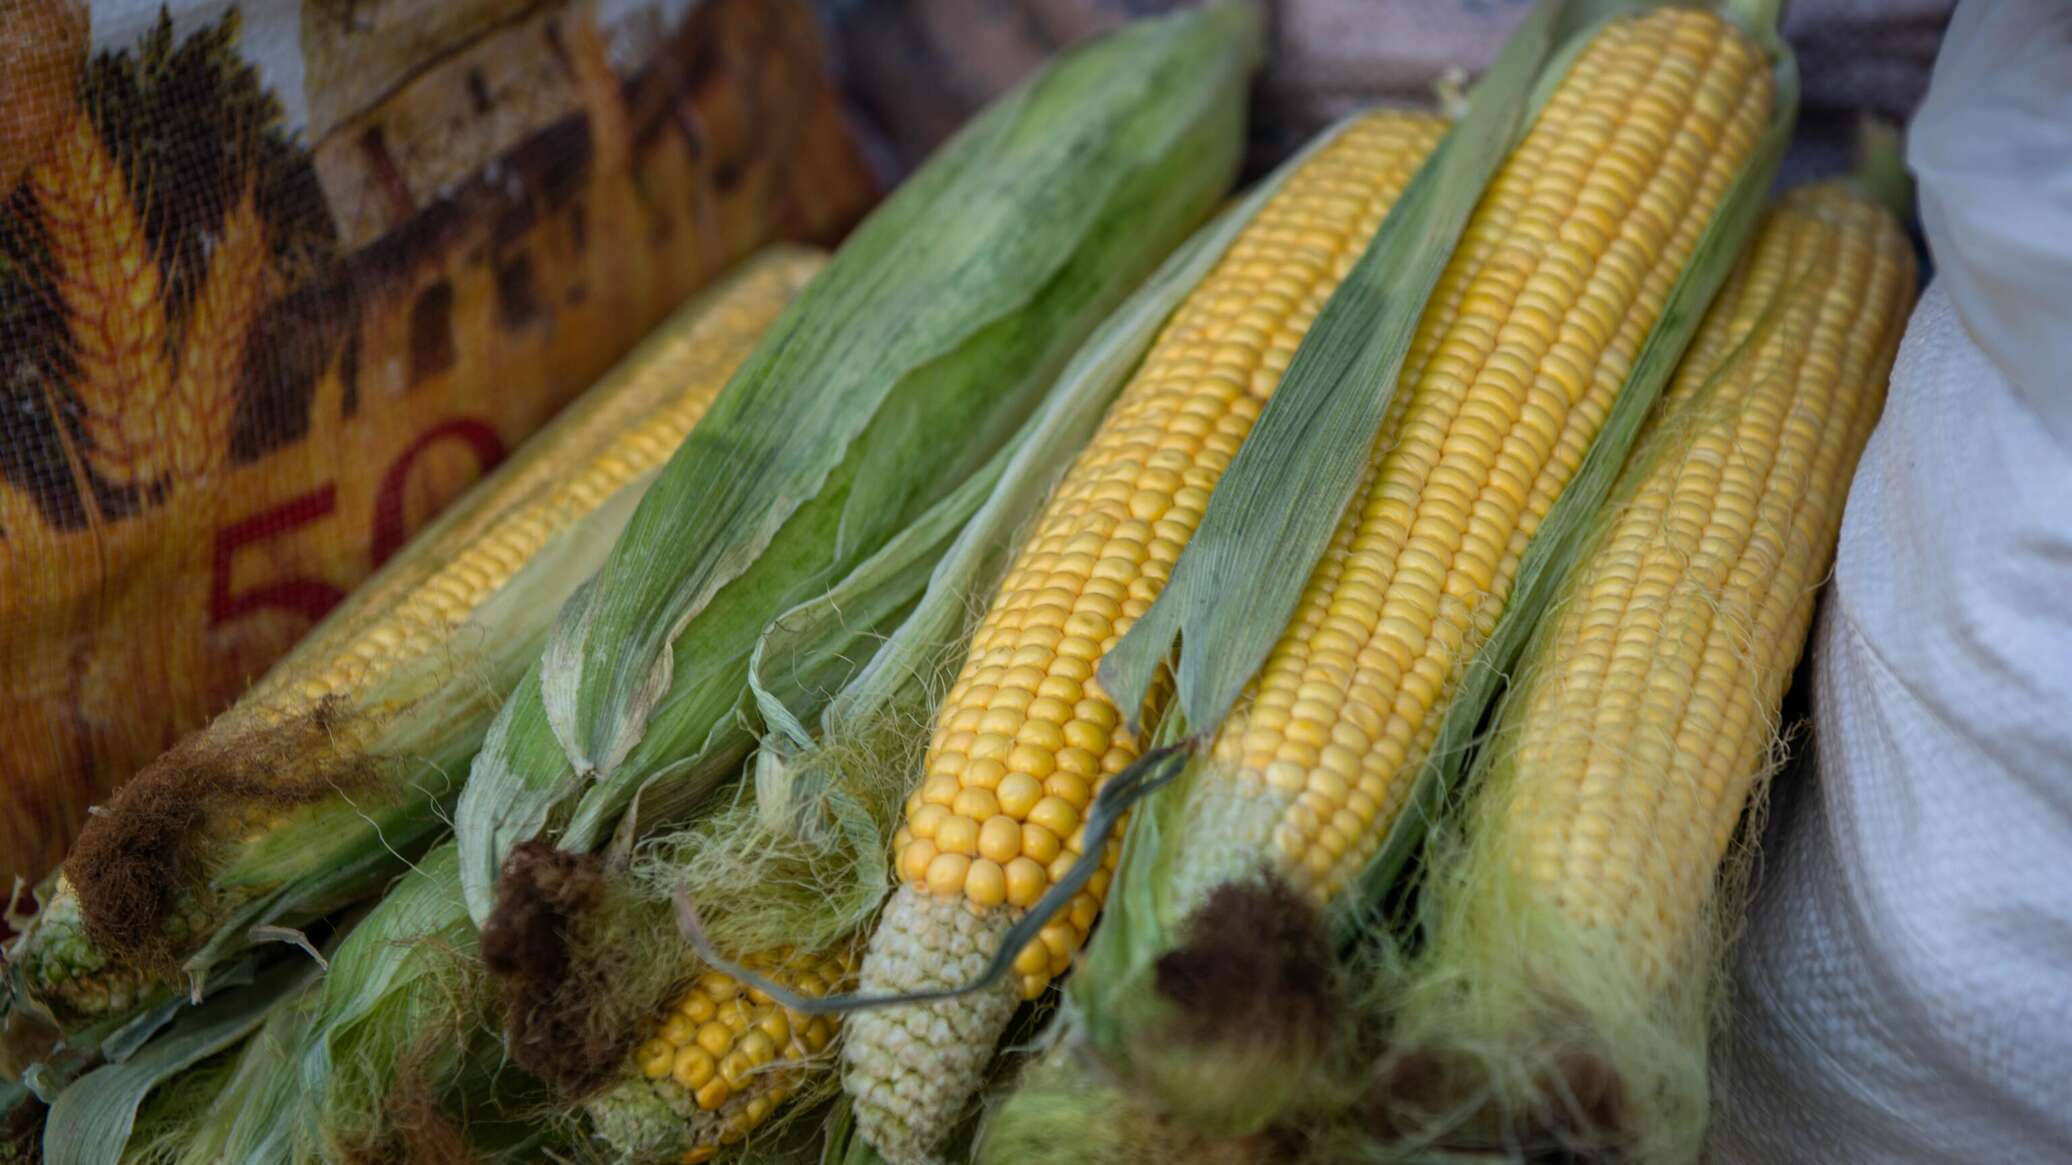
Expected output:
{"points": [[1903, 992]]}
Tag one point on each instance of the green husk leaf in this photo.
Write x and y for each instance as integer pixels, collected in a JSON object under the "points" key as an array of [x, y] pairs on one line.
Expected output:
{"points": [[932, 283], [1274, 509], [228, 1108], [899, 373], [247, 1121], [172, 1111], [90, 1122], [406, 1001]]}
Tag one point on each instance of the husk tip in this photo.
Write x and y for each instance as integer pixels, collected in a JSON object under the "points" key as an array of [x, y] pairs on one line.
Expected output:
{"points": [[1879, 169], [1062, 1114]]}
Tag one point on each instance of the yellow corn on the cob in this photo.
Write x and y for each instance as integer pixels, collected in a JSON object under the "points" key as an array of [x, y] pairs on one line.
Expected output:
{"points": [[1654, 703], [721, 1061], [1531, 331], [1644, 719], [323, 705], [1025, 737]]}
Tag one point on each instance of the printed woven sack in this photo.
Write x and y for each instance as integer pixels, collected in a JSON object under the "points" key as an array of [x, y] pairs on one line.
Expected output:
{"points": [[279, 278]]}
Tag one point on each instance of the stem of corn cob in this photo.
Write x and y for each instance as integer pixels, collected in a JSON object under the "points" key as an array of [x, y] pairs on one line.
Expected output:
{"points": [[1561, 309], [1025, 739], [1576, 924]]}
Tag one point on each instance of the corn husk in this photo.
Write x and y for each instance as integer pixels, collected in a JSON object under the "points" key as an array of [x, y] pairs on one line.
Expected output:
{"points": [[227, 1108], [402, 1053], [291, 805], [921, 349], [1304, 456]]}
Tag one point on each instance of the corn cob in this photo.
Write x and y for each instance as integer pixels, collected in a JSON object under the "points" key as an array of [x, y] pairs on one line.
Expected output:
{"points": [[410, 666], [1528, 338], [718, 1065], [1025, 737], [1644, 721]]}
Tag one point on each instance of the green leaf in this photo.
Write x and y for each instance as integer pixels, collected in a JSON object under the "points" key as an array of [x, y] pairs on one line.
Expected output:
{"points": [[249, 1120], [810, 650], [90, 1122], [405, 987]]}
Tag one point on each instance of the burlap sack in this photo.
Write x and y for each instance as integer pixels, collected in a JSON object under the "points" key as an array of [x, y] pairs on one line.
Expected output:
{"points": [[278, 279]]}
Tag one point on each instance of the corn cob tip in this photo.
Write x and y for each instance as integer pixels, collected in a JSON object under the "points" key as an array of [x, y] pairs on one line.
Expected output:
{"points": [[57, 969], [911, 1070]]}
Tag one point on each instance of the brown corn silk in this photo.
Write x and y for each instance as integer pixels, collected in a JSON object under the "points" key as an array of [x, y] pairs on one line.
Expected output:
{"points": [[1577, 925]]}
